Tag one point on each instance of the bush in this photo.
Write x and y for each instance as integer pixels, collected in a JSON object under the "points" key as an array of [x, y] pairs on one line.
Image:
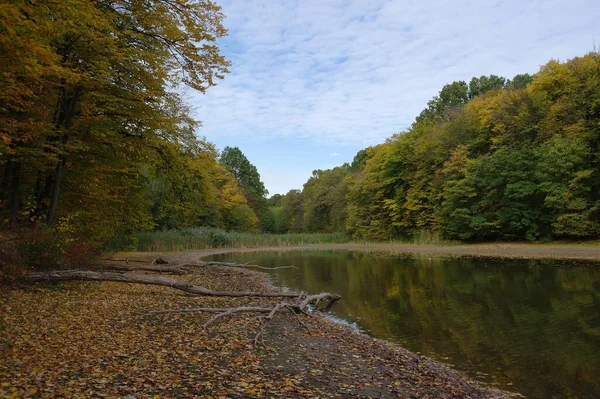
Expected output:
{"points": [[45, 248], [40, 248]]}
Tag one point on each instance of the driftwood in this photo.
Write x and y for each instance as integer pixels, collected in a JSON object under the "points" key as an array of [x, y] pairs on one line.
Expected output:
{"points": [[186, 286], [300, 303], [181, 269], [146, 268], [230, 264], [158, 261], [299, 307]]}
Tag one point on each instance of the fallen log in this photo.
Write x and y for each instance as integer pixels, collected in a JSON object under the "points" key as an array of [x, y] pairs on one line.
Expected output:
{"points": [[146, 268], [186, 286], [230, 264]]}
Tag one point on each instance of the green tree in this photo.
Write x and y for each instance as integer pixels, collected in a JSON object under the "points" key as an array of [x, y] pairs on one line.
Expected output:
{"points": [[483, 84], [520, 81], [519, 162], [247, 176], [324, 200], [451, 97], [291, 213]]}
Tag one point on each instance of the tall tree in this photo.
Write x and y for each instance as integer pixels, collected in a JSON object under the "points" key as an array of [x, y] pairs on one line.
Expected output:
{"points": [[247, 176], [451, 96], [484, 84], [96, 77], [324, 199]]}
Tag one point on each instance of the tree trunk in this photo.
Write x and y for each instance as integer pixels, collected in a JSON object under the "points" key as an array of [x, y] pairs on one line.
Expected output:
{"points": [[186, 286], [6, 178], [67, 106], [145, 268], [58, 175], [15, 192]]}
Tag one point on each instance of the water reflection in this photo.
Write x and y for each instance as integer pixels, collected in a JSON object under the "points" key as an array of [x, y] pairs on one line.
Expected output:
{"points": [[533, 324]]}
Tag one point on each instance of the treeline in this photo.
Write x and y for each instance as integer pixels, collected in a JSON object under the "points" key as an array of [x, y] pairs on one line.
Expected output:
{"points": [[492, 159], [95, 139]]}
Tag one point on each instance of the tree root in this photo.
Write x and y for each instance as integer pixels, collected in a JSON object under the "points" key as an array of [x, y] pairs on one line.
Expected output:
{"points": [[303, 303], [301, 306]]}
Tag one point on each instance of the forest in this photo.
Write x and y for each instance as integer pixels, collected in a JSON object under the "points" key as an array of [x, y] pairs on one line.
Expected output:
{"points": [[492, 159], [96, 138], [97, 141]]}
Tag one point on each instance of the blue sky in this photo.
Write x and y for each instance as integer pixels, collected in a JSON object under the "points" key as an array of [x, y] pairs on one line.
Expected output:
{"points": [[314, 81]]}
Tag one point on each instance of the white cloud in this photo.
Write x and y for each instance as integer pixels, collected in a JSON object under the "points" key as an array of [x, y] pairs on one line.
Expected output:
{"points": [[334, 154], [357, 71]]}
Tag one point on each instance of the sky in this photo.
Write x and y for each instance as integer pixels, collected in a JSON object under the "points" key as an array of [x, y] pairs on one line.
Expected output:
{"points": [[314, 81]]}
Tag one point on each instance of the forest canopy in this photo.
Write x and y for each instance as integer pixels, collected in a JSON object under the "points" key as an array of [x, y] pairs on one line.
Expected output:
{"points": [[95, 138], [492, 159]]}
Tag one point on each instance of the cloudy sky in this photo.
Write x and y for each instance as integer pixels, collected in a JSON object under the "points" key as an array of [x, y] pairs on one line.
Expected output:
{"points": [[314, 81]]}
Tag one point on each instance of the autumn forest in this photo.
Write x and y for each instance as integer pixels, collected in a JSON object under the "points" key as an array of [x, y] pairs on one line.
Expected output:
{"points": [[491, 159], [97, 142]]}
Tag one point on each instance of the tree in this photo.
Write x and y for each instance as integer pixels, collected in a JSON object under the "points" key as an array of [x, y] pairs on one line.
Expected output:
{"points": [[274, 200], [324, 200], [247, 176], [451, 96], [494, 160], [96, 77], [520, 81], [483, 84], [291, 214]]}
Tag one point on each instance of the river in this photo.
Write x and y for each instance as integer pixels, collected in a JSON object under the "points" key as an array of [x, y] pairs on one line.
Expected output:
{"points": [[531, 326]]}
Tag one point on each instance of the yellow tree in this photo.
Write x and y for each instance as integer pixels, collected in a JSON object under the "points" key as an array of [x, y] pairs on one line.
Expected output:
{"points": [[99, 74]]}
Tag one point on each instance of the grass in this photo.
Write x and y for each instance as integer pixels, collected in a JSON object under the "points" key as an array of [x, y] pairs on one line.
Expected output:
{"points": [[210, 237]]}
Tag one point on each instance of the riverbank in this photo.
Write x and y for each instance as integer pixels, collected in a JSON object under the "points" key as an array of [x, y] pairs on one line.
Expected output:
{"points": [[97, 340], [559, 251]]}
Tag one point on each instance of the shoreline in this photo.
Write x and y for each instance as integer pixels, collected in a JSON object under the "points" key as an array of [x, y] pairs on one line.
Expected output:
{"points": [[100, 339], [557, 252], [394, 353]]}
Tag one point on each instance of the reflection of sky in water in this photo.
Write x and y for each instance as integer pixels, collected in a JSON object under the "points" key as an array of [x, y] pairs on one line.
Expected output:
{"points": [[534, 324]]}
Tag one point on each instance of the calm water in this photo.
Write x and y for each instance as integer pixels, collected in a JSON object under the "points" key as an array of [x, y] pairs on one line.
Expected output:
{"points": [[528, 326]]}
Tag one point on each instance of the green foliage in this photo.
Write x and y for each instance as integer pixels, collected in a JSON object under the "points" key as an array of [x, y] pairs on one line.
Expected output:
{"points": [[483, 84], [520, 81], [324, 200], [498, 159], [274, 200], [269, 221], [247, 177], [92, 128], [290, 215], [451, 96]]}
